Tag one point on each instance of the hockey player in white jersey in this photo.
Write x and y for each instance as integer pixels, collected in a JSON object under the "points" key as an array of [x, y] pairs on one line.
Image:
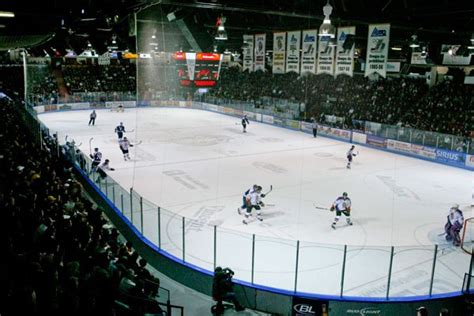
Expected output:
{"points": [[253, 201], [96, 159], [349, 156], [342, 205], [454, 225], [244, 198], [124, 144]]}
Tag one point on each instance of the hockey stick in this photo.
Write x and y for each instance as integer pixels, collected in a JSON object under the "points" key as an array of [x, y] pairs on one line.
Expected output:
{"points": [[320, 208], [65, 139], [271, 188], [442, 234], [139, 142], [90, 145], [130, 131]]}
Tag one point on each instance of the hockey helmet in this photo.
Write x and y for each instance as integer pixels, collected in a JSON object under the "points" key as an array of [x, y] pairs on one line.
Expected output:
{"points": [[455, 206], [344, 194]]}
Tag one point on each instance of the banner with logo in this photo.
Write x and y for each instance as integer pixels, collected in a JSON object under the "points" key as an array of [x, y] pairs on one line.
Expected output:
{"points": [[279, 46], [345, 53], [325, 56], [305, 307], [248, 53], [377, 49], [453, 55], [417, 58], [260, 52], [293, 51], [308, 56]]}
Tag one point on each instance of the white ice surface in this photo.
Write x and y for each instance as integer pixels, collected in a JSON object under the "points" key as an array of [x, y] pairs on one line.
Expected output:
{"points": [[197, 164]]}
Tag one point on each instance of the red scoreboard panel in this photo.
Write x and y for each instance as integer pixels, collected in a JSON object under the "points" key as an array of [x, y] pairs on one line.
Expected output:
{"points": [[198, 69]]}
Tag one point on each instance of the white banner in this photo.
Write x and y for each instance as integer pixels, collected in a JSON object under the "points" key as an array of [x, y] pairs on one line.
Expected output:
{"points": [[417, 58], [293, 51], [325, 56], [191, 64], [308, 56], [377, 49], [248, 53], [345, 55], [279, 45], [452, 55], [260, 52]]}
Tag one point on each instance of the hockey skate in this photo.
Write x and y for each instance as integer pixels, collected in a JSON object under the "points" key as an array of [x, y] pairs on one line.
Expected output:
{"points": [[349, 222], [244, 221], [239, 211], [333, 225], [260, 218]]}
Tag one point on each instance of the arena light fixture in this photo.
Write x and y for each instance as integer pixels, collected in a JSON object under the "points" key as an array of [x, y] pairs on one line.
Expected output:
{"points": [[7, 14], [414, 42], [327, 29], [396, 48]]}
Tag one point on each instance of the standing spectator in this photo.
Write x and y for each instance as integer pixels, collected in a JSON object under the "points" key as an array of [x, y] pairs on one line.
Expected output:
{"points": [[92, 118]]}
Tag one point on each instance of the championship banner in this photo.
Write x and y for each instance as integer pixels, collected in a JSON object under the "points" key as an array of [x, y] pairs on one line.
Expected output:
{"points": [[293, 51], [248, 53], [308, 56], [325, 56], [345, 51], [191, 64], [279, 45], [377, 49], [453, 55], [260, 52]]}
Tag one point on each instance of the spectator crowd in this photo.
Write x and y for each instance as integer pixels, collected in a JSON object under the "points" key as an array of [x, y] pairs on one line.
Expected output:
{"points": [[61, 255], [447, 107]]}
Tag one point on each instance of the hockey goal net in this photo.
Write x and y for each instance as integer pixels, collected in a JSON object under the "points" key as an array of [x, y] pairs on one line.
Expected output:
{"points": [[467, 235]]}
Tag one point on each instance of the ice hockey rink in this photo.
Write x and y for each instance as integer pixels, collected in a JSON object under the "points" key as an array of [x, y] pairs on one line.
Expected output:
{"points": [[197, 164]]}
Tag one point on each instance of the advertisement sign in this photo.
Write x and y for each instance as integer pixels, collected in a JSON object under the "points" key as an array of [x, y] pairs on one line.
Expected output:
{"points": [[470, 161], [308, 57], [293, 52], [267, 119], [248, 53], [279, 46], [334, 132], [377, 49], [359, 137], [308, 307], [452, 55], [376, 141], [260, 52], [307, 127], [345, 51], [450, 156], [325, 56]]}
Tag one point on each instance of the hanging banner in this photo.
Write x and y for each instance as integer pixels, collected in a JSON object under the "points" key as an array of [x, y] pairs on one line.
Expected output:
{"points": [[325, 56], [293, 51], [417, 58], [248, 53], [454, 55], [191, 64], [377, 49], [345, 51], [260, 52], [308, 56], [279, 45]]}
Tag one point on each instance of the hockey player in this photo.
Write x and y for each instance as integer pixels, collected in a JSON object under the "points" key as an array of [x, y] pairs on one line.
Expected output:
{"points": [[124, 144], [342, 205], [314, 124], [244, 198], [253, 201], [120, 129], [92, 116], [349, 156], [454, 225], [245, 122], [101, 170], [96, 159]]}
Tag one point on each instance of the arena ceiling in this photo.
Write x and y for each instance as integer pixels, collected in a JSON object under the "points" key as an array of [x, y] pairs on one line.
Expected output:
{"points": [[73, 23]]}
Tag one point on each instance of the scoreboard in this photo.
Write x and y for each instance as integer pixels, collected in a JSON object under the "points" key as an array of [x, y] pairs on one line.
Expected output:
{"points": [[198, 69]]}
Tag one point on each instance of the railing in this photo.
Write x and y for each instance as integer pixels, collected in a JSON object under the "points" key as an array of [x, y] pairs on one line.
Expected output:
{"points": [[339, 271]]}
